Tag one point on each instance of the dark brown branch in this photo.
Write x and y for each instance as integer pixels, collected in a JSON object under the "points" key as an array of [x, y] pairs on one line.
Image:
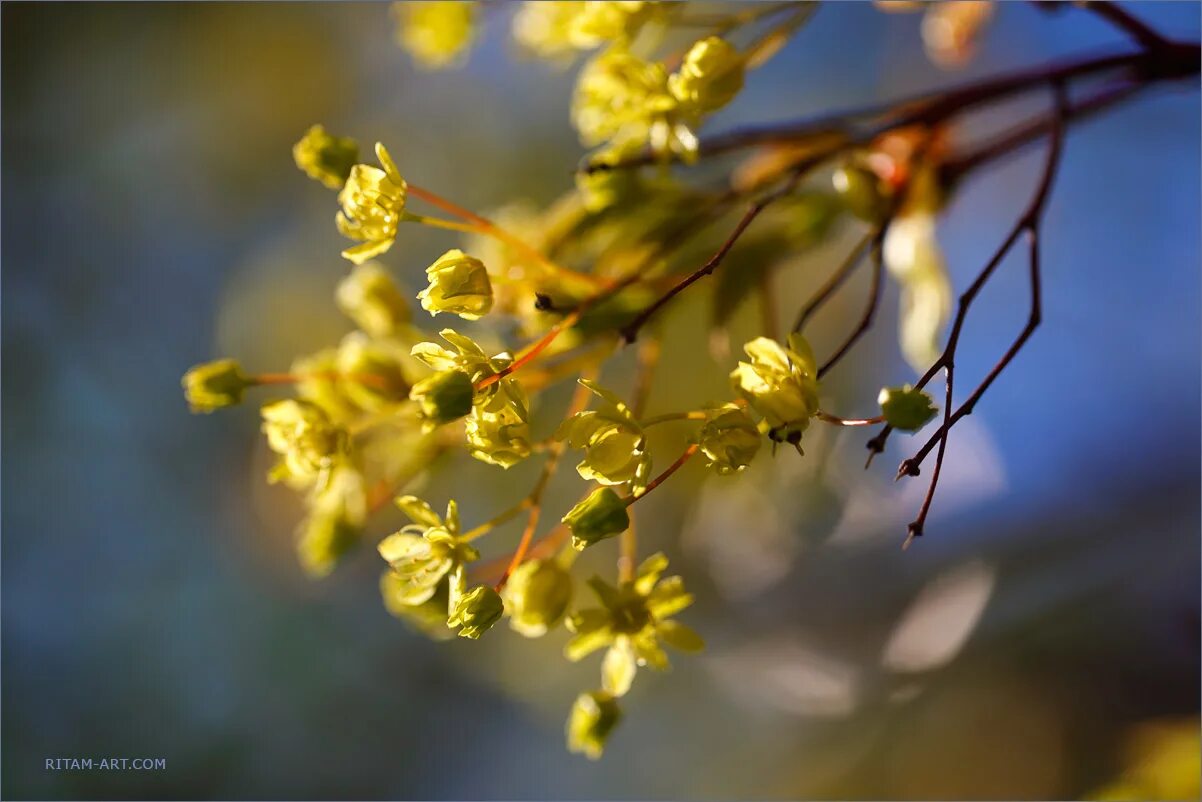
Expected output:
{"points": [[874, 296], [1165, 60], [1028, 224], [1124, 21], [631, 331], [836, 281], [1027, 133]]}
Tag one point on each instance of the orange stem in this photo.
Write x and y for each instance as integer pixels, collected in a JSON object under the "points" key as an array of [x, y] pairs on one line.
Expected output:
{"points": [[671, 469], [486, 226]]}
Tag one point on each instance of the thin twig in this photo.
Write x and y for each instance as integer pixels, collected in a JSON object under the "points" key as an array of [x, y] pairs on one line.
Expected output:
{"points": [[870, 307], [631, 331], [1028, 224], [841, 274], [1124, 21]]}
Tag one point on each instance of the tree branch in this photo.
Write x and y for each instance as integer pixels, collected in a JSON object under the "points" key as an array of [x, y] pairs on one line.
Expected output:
{"points": [[1028, 224]]}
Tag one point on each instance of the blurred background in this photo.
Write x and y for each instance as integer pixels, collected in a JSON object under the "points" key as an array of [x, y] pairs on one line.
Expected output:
{"points": [[152, 604]]}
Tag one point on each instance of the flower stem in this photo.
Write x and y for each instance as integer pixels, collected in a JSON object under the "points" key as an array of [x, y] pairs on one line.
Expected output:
{"points": [[835, 420], [487, 227], [671, 469]]}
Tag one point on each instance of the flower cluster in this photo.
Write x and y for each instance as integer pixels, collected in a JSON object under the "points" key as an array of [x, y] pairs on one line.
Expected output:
{"points": [[550, 295], [622, 100]]}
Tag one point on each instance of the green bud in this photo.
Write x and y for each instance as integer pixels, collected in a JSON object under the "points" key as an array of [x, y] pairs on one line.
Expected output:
{"points": [[214, 385], [476, 611], [444, 397], [537, 595], [730, 440], [326, 158], [593, 717], [906, 408], [600, 516], [459, 284], [370, 297], [861, 191]]}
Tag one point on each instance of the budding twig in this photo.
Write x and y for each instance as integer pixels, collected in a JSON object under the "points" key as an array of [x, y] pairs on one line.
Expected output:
{"points": [[1029, 224]]}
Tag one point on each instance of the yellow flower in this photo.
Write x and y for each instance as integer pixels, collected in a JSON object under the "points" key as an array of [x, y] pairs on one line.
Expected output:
{"points": [[632, 621], [498, 431], [730, 439], [369, 296], [614, 443], [780, 384], [326, 158], [464, 354], [214, 385], [593, 718], [458, 284], [437, 34], [373, 202], [537, 596], [619, 98], [425, 552], [302, 434], [544, 27], [709, 77], [599, 22]]}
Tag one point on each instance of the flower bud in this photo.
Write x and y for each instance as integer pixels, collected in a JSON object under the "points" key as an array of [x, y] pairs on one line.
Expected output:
{"points": [[600, 516], [458, 284], [214, 385], [536, 596], [906, 408], [730, 440], [709, 77], [326, 158], [370, 297], [303, 435], [476, 611], [593, 717], [444, 397], [861, 191]]}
